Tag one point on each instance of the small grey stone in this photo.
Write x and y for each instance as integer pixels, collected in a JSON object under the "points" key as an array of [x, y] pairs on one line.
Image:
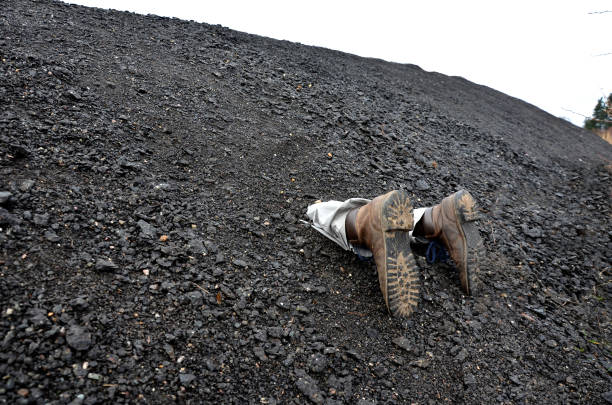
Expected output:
{"points": [[78, 338], [26, 185], [309, 388], [167, 286], [469, 379], [186, 378], [317, 362], [515, 379], [4, 196], [381, 371], [39, 319], [461, 355], [404, 343], [261, 335], [259, 352], [51, 236], [73, 95], [80, 303], [105, 265], [421, 363], [211, 365], [551, 343], [220, 258], [535, 232], [289, 217], [146, 229], [422, 185], [210, 246], [196, 246], [196, 298], [6, 218], [162, 186], [283, 302], [240, 263], [41, 219]]}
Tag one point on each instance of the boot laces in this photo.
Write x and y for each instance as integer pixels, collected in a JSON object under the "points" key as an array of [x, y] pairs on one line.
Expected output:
{"points": [[364, 258]]}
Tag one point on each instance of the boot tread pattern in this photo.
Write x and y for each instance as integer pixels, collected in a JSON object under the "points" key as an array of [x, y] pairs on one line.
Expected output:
{"points": [[466, 209], [403, 285]]}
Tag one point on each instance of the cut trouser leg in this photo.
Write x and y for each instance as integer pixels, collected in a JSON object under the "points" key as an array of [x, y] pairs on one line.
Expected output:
{"points": [[329, 218]]}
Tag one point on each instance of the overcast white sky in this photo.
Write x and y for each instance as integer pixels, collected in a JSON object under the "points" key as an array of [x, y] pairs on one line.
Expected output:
{"points": [[556, 55]]}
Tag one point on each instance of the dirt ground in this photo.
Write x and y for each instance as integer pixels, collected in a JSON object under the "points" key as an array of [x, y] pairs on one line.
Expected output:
{"points": [[153, 175]]}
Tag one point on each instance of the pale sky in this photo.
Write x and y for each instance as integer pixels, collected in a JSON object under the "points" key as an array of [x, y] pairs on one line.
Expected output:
{"points": [[556, 55]]}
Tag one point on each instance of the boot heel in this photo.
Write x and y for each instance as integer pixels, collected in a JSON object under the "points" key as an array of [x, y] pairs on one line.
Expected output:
{"points": [[466, 207], [396, 213], [402, 278]]}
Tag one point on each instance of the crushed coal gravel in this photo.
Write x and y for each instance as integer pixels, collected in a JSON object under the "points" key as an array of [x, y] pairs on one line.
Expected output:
{"points": [[153, 175]]}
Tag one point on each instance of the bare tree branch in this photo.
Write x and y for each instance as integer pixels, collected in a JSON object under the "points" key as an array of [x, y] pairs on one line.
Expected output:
{"points": [[574, 112]]}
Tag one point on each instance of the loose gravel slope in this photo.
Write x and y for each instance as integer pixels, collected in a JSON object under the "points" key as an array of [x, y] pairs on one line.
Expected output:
{"points": [[153, 175]]}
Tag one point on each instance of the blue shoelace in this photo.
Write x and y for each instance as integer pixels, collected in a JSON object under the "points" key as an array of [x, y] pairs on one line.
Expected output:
{"points": [[437, 253]]}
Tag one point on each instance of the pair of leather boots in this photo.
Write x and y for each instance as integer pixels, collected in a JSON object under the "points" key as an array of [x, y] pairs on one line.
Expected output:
{"points": [[384, 226]]}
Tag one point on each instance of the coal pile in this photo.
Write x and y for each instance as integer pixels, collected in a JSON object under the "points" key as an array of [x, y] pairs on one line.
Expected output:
{"points": [[153, 175]]}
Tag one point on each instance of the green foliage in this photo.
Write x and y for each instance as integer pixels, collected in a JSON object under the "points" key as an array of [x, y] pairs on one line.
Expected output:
{"points": [[602, 115]]}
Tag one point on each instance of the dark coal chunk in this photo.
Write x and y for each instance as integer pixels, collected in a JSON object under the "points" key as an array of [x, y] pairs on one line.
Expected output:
{"points": [[78, 338], [283, 302], [422, 185], [41, 219], [535, 232], [186, 378], [26, 185], [240, 263], [5, 196], [195, 297], [51, 236], [309, 388], [469, 379], [317, 362], [220, 258], [105, 265], [147, 230], [73, 95], [6, 218], [260, 353], [197, 247], [403, 343], [18, 151]]}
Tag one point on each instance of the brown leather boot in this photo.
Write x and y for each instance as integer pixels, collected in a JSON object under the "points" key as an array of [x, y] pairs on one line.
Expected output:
{"points": [[452, 223], [383, 226]]}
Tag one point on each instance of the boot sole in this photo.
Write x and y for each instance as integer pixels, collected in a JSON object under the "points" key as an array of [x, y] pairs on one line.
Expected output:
{"points": [[403, 285], [467, 215]]}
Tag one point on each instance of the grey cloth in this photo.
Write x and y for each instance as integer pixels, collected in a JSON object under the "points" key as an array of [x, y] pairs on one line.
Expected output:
{"points": [[329, 217]]}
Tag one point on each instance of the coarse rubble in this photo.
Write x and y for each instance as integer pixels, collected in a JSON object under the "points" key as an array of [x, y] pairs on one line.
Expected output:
{"points": [[153, 175]]}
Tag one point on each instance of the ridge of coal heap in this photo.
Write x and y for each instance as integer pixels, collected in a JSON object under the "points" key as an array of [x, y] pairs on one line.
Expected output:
{"points": [[153, 174]]}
